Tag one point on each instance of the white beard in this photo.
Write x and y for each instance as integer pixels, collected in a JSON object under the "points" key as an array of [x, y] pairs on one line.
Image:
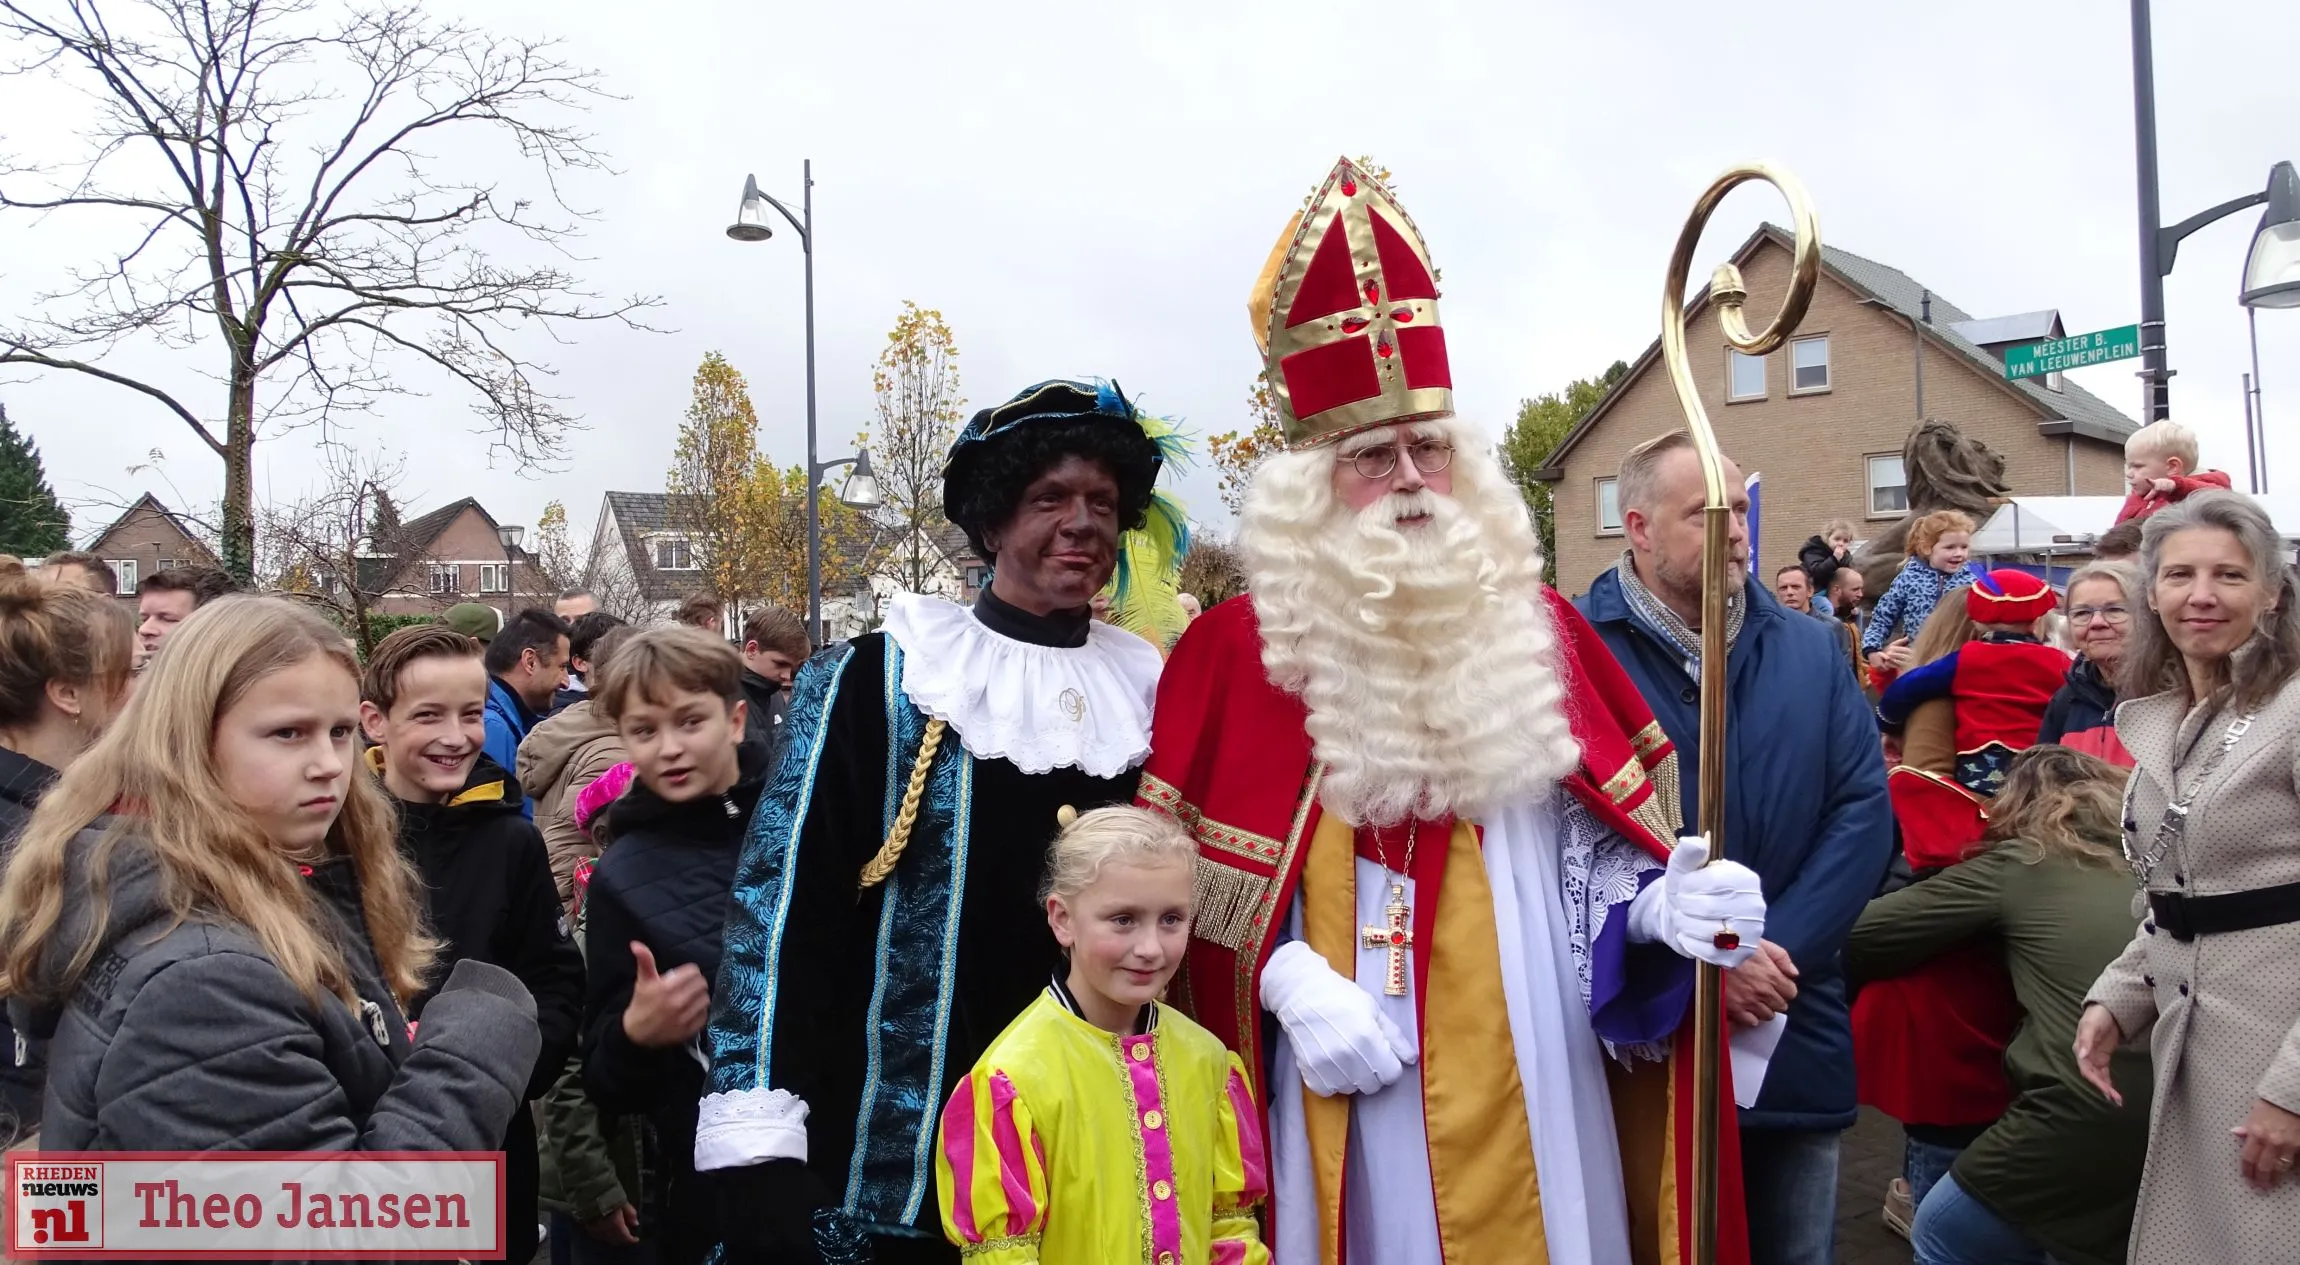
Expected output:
{"points": [[1425, 653]]}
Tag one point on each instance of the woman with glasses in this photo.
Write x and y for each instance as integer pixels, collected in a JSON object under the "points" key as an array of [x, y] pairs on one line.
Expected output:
{"points": [[2101, 600], [2212, 834]]}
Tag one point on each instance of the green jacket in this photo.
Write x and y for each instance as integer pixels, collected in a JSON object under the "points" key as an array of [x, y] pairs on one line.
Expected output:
{"points": [[591, 1163], [2062, 1164]]}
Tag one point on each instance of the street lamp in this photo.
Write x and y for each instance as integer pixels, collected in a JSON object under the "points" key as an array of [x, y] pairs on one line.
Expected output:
{"points": [[509, 536], [2272, 266], [751, 225]]}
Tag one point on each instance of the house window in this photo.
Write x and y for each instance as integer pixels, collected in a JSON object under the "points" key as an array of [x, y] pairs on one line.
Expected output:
{"points": [[1608, 507], [492, 578], [1745, 376], [673, 555], [1888, 486], [170, 564], [1809, 364], [977, 578], [446, 578], [125, 570]]}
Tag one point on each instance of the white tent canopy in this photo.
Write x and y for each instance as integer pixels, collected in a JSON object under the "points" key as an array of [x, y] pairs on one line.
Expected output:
{"points": [[2069, 524]]}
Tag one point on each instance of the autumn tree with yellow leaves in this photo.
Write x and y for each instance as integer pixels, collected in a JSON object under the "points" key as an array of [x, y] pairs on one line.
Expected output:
{"points": [[854, 547], [1236, 455], [717, 495], [919, 408]]}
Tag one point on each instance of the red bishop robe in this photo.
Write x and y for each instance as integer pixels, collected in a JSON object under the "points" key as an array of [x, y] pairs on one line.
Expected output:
{"points": [[1231, 759]]}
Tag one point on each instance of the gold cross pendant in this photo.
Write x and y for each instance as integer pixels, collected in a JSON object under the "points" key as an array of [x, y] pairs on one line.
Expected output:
{"points": [[1397, 936]]}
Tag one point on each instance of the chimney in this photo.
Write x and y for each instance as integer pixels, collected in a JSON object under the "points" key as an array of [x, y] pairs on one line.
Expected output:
{"points": [[1928, 307]]}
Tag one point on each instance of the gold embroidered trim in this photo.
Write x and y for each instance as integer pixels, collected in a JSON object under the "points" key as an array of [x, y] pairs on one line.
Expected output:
{"points": [[1008, 1243], [1622, 785], [1162, 795], [1246, 1003], [1649, 740]]}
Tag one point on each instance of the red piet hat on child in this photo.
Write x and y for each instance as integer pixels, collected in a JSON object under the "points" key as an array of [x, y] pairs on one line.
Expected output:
{"points": [[2009, 597], [1346, 314]]}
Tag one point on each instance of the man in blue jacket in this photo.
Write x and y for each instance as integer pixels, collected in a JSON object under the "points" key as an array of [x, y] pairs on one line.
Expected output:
{"points": [[1806, 809], [526, 664]]}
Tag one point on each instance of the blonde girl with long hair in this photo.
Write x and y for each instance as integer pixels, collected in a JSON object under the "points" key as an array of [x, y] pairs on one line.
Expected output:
{"points": [[2058, 1172], [209, 919]]}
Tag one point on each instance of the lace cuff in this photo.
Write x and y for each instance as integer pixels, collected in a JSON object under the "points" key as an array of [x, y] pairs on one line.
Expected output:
{"points": [[750, 1126]]}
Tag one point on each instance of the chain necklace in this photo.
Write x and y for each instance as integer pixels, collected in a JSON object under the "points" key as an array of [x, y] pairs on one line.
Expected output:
{"points": [[2174, 825]]}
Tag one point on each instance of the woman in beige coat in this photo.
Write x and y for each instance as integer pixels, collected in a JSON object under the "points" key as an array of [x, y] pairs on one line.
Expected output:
{"points": [[2212, 831]]}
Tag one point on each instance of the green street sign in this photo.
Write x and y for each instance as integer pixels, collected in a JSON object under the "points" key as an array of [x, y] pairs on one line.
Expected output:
{"points": [[2121, 343]]}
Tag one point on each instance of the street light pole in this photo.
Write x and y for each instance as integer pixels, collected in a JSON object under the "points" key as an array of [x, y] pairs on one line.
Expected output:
{"points": [[2155, 378], [861, 491], [509, 537], [814, 486]]}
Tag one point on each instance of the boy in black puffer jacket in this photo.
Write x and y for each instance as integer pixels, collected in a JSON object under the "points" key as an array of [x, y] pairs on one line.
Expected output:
{"points": [[487, 879], [657, 902]]}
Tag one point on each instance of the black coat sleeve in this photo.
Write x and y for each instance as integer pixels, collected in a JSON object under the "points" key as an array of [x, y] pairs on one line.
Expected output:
{"points": [[622, 1076], [538, 949], [795, 905], [220, 1052], [2055, 726]]}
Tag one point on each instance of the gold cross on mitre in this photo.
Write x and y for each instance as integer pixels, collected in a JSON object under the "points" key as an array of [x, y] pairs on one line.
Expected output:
{"points": [[1396, 935]]}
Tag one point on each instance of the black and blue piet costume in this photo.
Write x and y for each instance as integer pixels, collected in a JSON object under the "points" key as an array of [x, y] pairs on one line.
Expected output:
{"points": [[873, 954]]}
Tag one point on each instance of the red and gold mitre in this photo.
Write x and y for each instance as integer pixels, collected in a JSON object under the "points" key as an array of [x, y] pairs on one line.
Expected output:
{"points": [[1346, 312]]}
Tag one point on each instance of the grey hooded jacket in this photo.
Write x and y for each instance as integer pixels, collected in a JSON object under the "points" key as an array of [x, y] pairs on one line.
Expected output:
{"points": [[189, 1038]]}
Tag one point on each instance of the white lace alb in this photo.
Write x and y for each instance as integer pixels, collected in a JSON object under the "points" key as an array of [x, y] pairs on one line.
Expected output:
{"points": [[1040, 707]]}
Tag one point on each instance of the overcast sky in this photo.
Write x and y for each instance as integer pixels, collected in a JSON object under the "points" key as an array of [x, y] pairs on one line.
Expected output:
{"points": [[1089, 189]]}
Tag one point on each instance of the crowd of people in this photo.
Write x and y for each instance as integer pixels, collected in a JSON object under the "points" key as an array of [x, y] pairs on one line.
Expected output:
{"points": [[1358, 924]]}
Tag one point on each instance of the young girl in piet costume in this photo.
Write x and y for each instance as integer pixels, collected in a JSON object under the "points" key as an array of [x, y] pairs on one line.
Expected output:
{"points": [[1101, 1125]]}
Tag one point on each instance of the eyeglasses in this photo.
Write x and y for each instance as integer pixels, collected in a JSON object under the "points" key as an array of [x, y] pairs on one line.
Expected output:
{"points": [[2082, 615], [1429, 457]]}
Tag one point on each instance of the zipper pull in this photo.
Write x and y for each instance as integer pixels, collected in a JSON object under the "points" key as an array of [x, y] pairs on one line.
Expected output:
{"points": [[728, 802]]}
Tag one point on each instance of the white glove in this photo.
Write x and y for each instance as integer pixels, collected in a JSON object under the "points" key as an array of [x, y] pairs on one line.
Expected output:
{"points": [[1690, 903], [1342, 1041]]}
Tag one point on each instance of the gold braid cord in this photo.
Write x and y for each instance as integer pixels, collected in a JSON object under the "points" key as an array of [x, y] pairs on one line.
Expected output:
{"points": [[898, 838]]}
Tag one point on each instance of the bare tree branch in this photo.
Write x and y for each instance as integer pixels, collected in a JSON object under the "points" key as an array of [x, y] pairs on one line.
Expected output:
{"points": [[21, 355], [291, 235]]}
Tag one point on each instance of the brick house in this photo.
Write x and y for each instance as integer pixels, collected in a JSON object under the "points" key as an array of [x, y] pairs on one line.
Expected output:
{"points": [[150, 537], [1823, 419], [449, 555]]}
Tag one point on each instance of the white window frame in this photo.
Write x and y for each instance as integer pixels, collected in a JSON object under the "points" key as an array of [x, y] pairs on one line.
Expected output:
{"points": [[446, 578], [674, 542], [1828, 379], [492, 578], [1598, 489], [1869, 481], [1734, 358], [124, 571]]}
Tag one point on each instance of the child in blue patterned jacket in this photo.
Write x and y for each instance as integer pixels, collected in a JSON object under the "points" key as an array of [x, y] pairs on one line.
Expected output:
{"points": [[1939, 544]]}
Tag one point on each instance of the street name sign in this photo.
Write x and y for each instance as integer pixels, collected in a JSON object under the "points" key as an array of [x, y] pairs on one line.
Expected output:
{"points": [[2055, 355]]}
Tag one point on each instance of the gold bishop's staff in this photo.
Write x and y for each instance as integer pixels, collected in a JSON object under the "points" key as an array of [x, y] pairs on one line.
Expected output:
{"points": [[1726, 294]]}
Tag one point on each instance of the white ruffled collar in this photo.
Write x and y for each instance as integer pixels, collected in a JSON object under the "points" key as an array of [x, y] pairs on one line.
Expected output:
{"points": [[1040, 707]]}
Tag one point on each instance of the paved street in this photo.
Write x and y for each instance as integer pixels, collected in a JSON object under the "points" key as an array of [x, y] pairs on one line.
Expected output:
{"points": [[1871, 1158]]}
